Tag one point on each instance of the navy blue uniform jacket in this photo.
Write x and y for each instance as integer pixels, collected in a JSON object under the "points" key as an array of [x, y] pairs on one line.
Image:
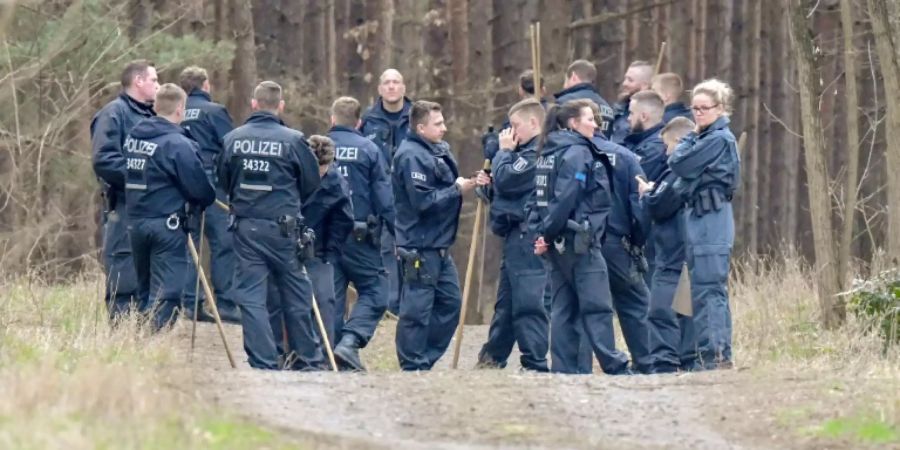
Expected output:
{"points": [[267, 169], [366, 170], [425, 194], [329, 213], [163, 171]]}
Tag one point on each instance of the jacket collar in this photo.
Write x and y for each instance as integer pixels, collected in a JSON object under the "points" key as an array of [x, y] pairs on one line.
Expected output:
{"points": [[576, 88], [200, 93], [264, 117], [639, 137], [144, 109], [344, 129]]}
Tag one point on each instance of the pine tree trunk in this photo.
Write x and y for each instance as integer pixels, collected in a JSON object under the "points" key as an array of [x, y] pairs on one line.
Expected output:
{"points": [[815, 151], [243, 69], [852, 116], [890, 72]]}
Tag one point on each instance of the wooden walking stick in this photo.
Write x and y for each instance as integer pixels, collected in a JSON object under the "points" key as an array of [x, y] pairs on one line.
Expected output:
{"points": [[659, 59], [197, 287], [535, 32], [211, 299], [467, 284], [325, 339]]}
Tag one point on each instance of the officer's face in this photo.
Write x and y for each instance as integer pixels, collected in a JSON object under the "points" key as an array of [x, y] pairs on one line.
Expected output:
{"points": [[524, 127], [434, 128], [706, 110], [147, 84], [636, 117], [670, 142], [391, 88], [584, 124], [635, 80]]}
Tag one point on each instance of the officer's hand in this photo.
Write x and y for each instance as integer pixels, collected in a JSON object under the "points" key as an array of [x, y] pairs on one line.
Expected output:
{"points": [[643, 186], [482, 179], [540, 246], [465, 184], [508, 140]]}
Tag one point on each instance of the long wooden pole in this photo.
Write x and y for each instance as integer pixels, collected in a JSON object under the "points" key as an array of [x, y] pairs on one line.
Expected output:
{"points": [[197, 288], [659, 59], [467, 284], [325, 339], [211, 300]]}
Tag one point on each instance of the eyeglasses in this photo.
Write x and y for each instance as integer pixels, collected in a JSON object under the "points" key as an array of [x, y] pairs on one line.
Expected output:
{"points": [[704, 109]]}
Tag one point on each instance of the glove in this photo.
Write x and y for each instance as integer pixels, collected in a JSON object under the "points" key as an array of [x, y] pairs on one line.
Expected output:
{"points": [[490, 143]]}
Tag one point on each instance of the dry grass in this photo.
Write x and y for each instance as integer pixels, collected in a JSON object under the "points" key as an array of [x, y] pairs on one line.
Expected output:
{"points": [[776, 325], [67, 380]]}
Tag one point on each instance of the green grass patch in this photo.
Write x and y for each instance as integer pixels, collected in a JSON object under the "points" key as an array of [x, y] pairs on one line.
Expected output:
{"points": [[864, 429]]}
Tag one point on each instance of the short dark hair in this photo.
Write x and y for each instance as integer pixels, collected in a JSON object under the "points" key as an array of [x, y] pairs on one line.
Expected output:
{"points": [[345, 111], [323, 148], [192, 78], [526, 81], [133, 70], [268, 95], [585, 70], [421, 111]]}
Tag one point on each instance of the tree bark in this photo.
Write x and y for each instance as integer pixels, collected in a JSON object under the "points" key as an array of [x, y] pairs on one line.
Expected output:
{"points": [[815, 150], [890, 72], [852, 117], [243, 69]]}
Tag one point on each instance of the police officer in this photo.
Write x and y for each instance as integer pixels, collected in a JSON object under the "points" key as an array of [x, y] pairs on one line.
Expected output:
{"points": [[490, 142], [519, 315], [164, 174], [329, 213], [668, 331], [428, 197], [328, 217], [637, 78], [207, 123], [108, 130], [708, 169], [670, 88], [572, 200], [386, 123], [366, 170], [626, 233], [645, 122], [268, 171], [579, 84]]}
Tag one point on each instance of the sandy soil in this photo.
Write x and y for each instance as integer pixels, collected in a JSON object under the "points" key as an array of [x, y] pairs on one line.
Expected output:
{"points": [[466, 408]]}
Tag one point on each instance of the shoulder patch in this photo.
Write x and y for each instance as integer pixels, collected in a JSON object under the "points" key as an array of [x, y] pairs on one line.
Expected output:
{"points": [[581, 176], [419, 176], [520, 164]]}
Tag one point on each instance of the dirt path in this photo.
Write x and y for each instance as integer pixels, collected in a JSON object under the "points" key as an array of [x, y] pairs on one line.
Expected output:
{"points": [[506, 409]]}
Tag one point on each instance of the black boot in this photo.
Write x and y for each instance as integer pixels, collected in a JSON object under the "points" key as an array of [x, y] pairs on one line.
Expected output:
{"points": [[202, 315], [347, 353], [229, 312]]}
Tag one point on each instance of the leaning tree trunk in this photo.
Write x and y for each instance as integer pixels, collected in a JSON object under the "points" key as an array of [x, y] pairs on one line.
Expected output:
{"points": [[816, 171], [890, 71]]}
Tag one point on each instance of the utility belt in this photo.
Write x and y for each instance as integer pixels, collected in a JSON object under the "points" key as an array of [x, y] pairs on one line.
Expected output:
{"points": [[413, 263], [577, 238], [368, 231], [304, 237], [708, 200]]}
